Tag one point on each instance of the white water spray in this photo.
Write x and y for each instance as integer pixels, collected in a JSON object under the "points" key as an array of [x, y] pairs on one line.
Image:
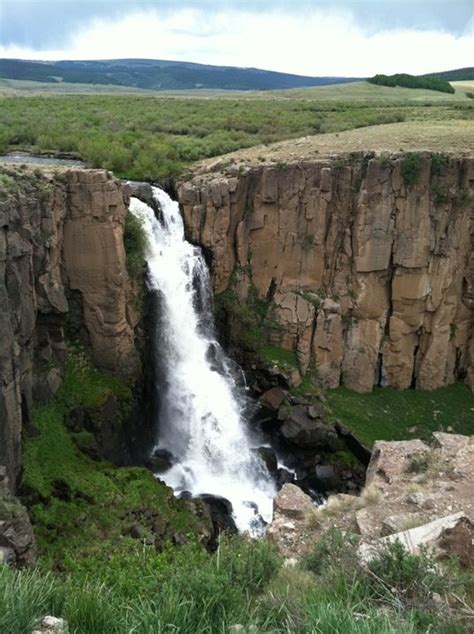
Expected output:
{"points": [[201, 417]]}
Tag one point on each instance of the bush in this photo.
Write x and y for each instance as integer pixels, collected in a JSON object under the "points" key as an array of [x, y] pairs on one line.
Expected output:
{"points": [[411, 168], [135, 242], [333, 549], [411, 582]]}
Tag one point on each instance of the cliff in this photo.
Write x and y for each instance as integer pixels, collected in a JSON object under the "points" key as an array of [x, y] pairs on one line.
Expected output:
{"points": [[62, 275], [367, 259]]}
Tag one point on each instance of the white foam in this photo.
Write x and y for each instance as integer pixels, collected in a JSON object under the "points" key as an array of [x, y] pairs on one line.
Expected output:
{"points": [[201, 418]]}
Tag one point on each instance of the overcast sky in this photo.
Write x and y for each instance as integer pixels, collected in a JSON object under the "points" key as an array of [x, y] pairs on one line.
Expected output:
{"points": [[320, 37]]}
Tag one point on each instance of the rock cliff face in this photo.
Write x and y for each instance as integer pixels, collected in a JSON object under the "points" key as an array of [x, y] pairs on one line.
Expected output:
{"points": [[62, 265], [368, 259]]}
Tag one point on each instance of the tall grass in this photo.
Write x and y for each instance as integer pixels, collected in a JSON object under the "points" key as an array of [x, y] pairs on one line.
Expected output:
{"points": [[244, 583]]}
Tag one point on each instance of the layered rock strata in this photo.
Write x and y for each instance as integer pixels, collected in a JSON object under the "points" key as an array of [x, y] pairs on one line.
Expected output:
{"points": [[62, 264], [368, 260]]}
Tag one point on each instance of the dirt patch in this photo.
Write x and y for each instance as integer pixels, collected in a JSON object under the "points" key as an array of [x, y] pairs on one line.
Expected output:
{"points": [[459, 542], [433, 136]]}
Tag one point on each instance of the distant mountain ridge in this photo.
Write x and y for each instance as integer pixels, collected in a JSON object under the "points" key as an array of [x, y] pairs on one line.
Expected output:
{"points": [[159, 75], [459, 74]]}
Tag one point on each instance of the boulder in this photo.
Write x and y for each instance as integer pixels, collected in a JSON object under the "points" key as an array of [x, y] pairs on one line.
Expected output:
{"points": [[302, 430], [220, 511], [160, 461], [4, 482], [51, 625], [414, 538], [316, 410], [399, 522], [292, 502], [268, 457], [273, 398], [327, 478], [16, 533]]}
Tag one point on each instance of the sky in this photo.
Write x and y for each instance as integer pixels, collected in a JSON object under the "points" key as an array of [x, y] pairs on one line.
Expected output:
{"points": [[320, 37]]}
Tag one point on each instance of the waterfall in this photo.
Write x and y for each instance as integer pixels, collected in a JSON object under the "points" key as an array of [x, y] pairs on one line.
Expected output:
{"points": [[202, 410]]}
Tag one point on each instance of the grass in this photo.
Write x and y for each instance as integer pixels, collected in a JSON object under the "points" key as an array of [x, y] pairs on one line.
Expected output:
{"points": [[243, 582], [149, 137], [70, 495], [342, 503], [389, 414], [285, 359]]}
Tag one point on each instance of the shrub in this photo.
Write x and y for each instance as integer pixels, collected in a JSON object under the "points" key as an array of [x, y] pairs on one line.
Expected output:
{"points": [[333, 549], [135, 241], [438, 162], [247, 563], [440, 195], [410, 579], [464, 198], [411, 168]]}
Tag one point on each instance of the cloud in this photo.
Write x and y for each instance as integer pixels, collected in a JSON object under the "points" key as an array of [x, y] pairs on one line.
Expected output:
{"points": [[304, 41]]}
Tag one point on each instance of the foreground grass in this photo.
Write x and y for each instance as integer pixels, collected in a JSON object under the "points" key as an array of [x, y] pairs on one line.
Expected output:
{"points": [[151, 138], [186, 591], [389, 414]]}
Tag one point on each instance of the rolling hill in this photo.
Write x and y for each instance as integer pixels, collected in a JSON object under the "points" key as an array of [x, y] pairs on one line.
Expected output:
{"points": [[158, 75], [459, 74]]}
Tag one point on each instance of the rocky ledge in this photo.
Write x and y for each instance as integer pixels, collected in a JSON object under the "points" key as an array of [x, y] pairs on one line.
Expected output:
{"points": [[416, 492]]}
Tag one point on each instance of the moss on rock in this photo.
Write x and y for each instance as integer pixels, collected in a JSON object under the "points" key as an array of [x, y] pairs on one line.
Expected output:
{"points": [[78, 504]]}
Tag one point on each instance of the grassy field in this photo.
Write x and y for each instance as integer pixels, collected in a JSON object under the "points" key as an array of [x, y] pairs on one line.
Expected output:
{"points": [[389, 414], [354, 91], [150, 137]]}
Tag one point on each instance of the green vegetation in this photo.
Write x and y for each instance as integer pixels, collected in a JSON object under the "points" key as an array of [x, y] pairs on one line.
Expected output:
{"points": [[82, 507], [440, 195], [155, 75], [438, 162], [410, 81], [389, 414], [411, 167], [285, 359], [243, 582], [134, 240], [249, 324], [149, 138], [458, 74]]}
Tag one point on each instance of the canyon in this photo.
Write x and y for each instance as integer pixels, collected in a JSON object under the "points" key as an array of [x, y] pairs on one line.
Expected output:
{"points": [[364, 264]]}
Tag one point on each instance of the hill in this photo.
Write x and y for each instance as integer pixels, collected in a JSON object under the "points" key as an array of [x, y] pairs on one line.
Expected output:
{"points": [[460, 74], [158, 75]]}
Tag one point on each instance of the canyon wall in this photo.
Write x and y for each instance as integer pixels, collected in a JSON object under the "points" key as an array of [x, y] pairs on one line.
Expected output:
{"points": [[368, 261], [62, 275]]}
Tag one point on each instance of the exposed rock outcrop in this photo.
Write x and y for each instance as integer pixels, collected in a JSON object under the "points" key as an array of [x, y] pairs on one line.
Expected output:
{"points": [[368, 260], [62, 266], [17, 542], [414, 491]]}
